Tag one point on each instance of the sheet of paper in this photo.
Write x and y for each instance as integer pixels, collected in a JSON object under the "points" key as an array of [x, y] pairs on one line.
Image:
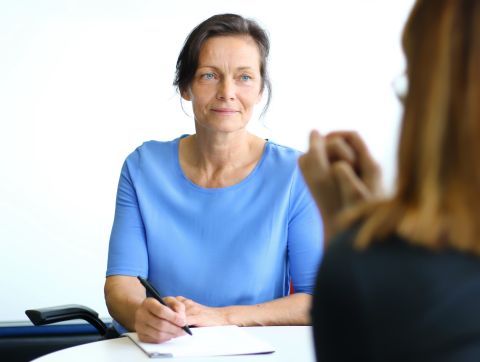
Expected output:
{"points": [[207, 341]]}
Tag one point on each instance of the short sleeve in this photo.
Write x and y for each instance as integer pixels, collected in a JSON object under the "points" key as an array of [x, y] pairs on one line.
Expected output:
{"points": [[305, 236], [127, 254]]}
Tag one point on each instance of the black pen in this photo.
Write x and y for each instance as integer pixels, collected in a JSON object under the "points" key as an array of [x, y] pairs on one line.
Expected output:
{"points": [[157, 296]]}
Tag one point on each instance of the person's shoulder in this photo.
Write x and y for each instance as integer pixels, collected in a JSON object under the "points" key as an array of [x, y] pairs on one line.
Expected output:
{"points": [[282, 150], [282, 156], [152, 155], [153, 148], [156, 146]]}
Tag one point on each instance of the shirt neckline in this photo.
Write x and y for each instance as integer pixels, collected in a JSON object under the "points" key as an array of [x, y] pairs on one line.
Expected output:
{"points": [[246, 180]]}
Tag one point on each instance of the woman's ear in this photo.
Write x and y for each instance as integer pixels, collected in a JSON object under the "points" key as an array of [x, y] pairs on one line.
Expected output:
{"points": [[186, 94]]}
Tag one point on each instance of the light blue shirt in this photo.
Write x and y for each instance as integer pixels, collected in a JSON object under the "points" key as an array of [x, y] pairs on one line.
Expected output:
{"points": [[237, 245]]}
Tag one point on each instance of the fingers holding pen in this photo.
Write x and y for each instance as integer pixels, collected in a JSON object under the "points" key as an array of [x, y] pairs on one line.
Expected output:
{"points": [[156, 323], [178, 308]]}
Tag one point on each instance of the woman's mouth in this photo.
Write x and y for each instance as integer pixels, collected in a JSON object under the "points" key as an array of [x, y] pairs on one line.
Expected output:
{"points": [[224, 111]]}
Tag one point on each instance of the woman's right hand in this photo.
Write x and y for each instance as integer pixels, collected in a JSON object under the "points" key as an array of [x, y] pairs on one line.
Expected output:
{"points": [[156, 323]]}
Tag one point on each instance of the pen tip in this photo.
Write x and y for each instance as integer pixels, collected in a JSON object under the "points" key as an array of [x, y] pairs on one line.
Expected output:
{"points": [[187, 330]]}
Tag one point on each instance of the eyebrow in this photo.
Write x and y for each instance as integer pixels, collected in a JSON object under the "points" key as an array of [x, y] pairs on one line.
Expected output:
{"points": [[216, 68]]}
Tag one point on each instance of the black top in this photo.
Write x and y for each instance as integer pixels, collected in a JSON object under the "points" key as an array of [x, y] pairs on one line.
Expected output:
{"points": [[396, 302]]}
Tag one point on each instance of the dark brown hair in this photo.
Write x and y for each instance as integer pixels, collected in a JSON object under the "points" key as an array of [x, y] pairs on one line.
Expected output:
{"points": [[437, 198], [220, 25]]}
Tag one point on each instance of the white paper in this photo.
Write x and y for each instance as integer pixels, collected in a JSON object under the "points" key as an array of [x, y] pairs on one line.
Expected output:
{"points": [[206, 341]]}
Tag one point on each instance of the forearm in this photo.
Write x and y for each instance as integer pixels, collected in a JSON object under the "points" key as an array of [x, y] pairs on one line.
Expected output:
{"points": [[123, 298], [291, 310]]}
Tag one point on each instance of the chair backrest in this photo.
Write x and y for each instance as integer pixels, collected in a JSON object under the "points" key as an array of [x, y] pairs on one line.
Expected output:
{"points": [[22, 343]]}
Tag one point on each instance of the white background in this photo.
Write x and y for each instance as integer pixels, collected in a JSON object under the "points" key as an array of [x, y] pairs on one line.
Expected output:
{"points": [[82, 83]]}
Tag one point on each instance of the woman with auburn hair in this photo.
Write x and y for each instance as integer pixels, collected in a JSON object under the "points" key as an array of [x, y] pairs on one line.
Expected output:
{"points": [[401, 279]]}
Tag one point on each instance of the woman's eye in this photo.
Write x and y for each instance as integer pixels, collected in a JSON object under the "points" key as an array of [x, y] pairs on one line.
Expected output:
{"points": [[208, 76], [245, 77]]}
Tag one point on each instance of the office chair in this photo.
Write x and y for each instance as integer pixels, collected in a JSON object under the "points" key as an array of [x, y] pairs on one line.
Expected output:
{"points": [[26, 342]]}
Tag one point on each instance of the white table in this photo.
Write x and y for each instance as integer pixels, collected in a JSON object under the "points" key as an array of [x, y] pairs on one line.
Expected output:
{"points": [[291, 344]]}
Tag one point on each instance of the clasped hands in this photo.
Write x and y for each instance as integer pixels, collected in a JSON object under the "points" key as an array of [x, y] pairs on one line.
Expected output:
{"points": [[340, 172], [156, 323]]}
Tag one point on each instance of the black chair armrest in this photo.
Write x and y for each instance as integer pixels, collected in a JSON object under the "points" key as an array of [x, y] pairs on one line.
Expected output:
{"points": [[42, 316]]}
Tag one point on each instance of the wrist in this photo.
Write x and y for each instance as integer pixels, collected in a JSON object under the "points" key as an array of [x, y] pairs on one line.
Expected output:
{"points": [[227, 315], [231, 316]]}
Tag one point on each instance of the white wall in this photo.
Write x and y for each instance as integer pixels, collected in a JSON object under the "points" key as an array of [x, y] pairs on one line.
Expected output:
{"points": [[82, 83]]}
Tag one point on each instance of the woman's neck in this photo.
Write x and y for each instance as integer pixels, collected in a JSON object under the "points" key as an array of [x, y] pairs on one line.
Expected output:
{"points": [[220, 160]]}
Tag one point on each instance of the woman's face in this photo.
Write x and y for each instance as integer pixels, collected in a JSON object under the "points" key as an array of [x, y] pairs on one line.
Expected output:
{"points": [[227, 83]]}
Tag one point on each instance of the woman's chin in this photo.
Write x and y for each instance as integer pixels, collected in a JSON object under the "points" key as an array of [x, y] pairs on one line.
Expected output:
{"points": [[222, 125]]}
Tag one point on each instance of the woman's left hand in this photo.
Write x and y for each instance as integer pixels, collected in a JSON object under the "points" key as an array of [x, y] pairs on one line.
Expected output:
{"points": [[200, 315]]}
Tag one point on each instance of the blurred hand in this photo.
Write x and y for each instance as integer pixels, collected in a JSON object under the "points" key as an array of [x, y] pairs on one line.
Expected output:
{"points": [[339, 171], [199, 315], [156, 323]]}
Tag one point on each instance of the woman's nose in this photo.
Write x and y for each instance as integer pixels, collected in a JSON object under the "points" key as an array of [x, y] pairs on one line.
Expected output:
{"points": [[226, 90]]}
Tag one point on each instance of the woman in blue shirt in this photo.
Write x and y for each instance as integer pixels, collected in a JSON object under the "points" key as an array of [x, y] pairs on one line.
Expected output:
{"points": [[219, 221]]}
